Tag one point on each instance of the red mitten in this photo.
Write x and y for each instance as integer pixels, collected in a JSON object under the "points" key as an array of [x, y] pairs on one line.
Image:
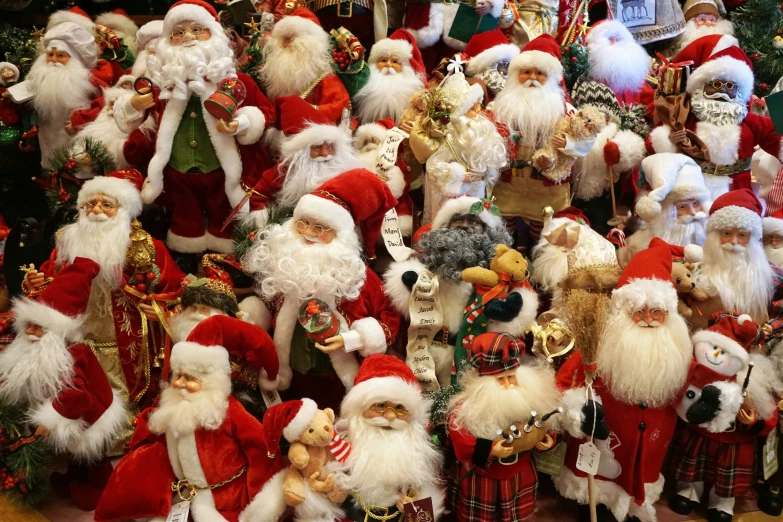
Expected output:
{"points": [[611, 153]]}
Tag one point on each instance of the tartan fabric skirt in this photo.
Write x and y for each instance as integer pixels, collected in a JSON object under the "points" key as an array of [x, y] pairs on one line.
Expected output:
{"points": [[729, 467], [480, 499]]}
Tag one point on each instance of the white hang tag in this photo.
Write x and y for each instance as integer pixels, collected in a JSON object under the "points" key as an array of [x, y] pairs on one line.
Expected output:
{"points": [[270, 398], [179, 512], [589, 456]]}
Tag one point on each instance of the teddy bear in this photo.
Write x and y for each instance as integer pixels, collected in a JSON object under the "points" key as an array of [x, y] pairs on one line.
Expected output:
{"points": [[682, 277], [583, 125], [508, 265], [311, 434]]}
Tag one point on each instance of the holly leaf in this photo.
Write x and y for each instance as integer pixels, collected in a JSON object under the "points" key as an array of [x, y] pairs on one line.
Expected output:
{"points": [[477, 208]]}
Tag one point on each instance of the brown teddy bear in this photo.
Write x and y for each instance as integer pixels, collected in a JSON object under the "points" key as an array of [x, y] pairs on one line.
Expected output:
{"points": [[682, 277], [584, 124], [310, 431], [508, 265]]}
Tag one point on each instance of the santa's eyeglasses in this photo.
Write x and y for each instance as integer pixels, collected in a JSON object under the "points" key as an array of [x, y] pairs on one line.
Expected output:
{"points": [[302, 225], [381, 407], [101, 205], [196, 30], [656, 314], [720, 84]]}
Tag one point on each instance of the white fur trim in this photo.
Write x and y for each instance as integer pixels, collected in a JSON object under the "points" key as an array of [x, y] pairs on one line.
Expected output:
{"points": [[395, 289], [474, 95], [721, 341], [367, 131], [373, 336], [191, 13], [222, 245], [637, 293], [317, 508], [59, 17], [538, 59], [453, 181], [659, 138], [573, 401], [358, 399], [772, 225], [632, 150], [117, 21], [723, 143], [286, 320], [325, 211], [430, 34], [726, 68], [647, 208], [61, 429], [192, 356], [406, 224], [524, 320], [315, 134], [345, 364], [256, 218], [122, 189], [257, 125], [301, 420], [490, 57], [693, 253], [148, 32], [186, 245], [733, 216], [28, 312], [461, 205], [268, 504], [258, 312], [730, 403], [396, 181], [673, 176], [399, 49]]}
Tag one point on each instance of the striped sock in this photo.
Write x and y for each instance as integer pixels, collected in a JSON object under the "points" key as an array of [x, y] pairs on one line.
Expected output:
{"points": [[339, 448]]}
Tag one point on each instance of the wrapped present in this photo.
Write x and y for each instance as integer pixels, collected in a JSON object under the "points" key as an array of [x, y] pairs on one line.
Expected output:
{"points": [[673, 77], [348, 60]]}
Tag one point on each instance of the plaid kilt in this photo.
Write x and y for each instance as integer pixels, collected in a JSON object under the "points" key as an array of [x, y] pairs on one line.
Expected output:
{"points": [[728, 466], [481, 499]]}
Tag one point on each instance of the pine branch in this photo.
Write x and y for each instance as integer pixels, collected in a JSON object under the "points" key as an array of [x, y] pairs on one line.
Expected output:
{"points": [[756, 24]]}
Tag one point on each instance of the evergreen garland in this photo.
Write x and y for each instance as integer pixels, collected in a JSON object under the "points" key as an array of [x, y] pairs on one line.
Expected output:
{"points": [[576, 62], [255, 57], [18, 47], [25, 462], [756, 24], [245, 233], [633, 119]]}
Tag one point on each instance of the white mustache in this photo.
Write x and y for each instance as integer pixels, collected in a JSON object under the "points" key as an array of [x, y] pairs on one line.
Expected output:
{"points": [[653, 324], [532, 82], [33, 338], [55, 64], [100, 218], [381, 422], [388, 71], [312, 239], [684, 220], [718, 96], [321, 159], [733, 248]]}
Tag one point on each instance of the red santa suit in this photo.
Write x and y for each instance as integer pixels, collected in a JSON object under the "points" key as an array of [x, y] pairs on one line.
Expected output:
{"points": [[431, 22], [227, 466], [730, 146]]}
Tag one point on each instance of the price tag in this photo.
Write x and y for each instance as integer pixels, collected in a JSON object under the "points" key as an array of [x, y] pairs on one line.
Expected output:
{"points": [[270, 398], [179, 512], [419, 511], [770, 452], [588, 458], [550, 462]]}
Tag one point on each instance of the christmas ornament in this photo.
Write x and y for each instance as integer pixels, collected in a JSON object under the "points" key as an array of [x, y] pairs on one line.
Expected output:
{"points": [[317, 319], [223, 103]]}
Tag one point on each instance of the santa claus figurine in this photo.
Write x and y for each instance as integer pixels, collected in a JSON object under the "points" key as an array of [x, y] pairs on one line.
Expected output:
{"points": [[329, 304], [675, 209], [722, 452], [396, 74], [495, 479], [702, 18], [384, 417], [298, 41], [58, 380], [720, 133], [635, 420], [198, 441], [147, 39], [121, 297], [735, 272], [199, 160], [458, 239], [70, 54], [313, 150], [370, 141], [489, 54], [122, 25], [772, 228]]}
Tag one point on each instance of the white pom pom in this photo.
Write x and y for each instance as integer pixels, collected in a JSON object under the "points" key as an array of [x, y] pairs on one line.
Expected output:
{"points": [[694, 253], [744, 317], [648, 209]]}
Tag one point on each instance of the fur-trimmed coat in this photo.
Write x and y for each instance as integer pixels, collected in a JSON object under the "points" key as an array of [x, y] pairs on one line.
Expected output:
{"points": [[140, 486]]}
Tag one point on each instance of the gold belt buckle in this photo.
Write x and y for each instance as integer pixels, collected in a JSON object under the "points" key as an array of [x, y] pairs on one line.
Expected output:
{"points": [[340, 12], [177, 487]]}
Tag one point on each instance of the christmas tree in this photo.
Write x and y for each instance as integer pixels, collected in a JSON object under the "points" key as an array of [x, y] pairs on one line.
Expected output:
{"points": [[758, 25]]}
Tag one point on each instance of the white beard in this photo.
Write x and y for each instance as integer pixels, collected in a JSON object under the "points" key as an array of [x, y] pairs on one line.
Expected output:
{"points": [[303, 174], [484, 406], [645, 364], [180, 70], [694, 32], [774, 255], [307, 55], [743, 280], [386, 95], [405, 455], [622, 66], [180, 412], [33, 372], [140, 64], [105, 242], [532, 111], [670, 228], [478, 143], [716, 111], [550, 266], [285, 264], [104, 129]]}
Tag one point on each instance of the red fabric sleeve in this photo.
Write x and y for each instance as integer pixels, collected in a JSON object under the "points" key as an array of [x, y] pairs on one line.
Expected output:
{"points": [[75, 399], [249, 435], [170, 275], [103, 71], [380, 307], [256, 98], [139, 149], [764, 134], [571, 374], [268, 185], [49, 267], [464, 443], [330, 98], [82, 117], [8, 114]]}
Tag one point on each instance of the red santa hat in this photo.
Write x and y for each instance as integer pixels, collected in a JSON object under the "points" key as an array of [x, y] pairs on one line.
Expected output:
{"points": [[382, 378], [206, 352], [543, 53], [119, 21], [401, 45], [738, 208], [357, 197], [493, 353], [694, 8], [74, 40], [193, 11], [573, 214], [604, 29], [9, 65], [646, 280], [672, 177], [699, 50], [488, 48], [148, 32], [123, 185], [773, 224], [288, 419], [59, 307], [731, 333], [304, 126], [729, 64], [301, 21], [690, 253], [75, 15], [462, 205]]}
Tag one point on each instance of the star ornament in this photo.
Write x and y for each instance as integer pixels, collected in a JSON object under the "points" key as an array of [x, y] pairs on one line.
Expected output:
{"points": [[37, 34], [253, 26]]}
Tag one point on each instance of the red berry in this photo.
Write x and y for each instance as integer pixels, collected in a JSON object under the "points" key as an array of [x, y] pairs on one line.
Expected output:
{"points": [[139, 278], [574, 59], [764, 86], [755, 56], [150, 276], [141, 287]]}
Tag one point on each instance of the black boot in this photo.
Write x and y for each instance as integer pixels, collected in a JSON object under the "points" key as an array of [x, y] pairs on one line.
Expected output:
{"points": [[681, 505], [716, 515], [771, 502]]}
